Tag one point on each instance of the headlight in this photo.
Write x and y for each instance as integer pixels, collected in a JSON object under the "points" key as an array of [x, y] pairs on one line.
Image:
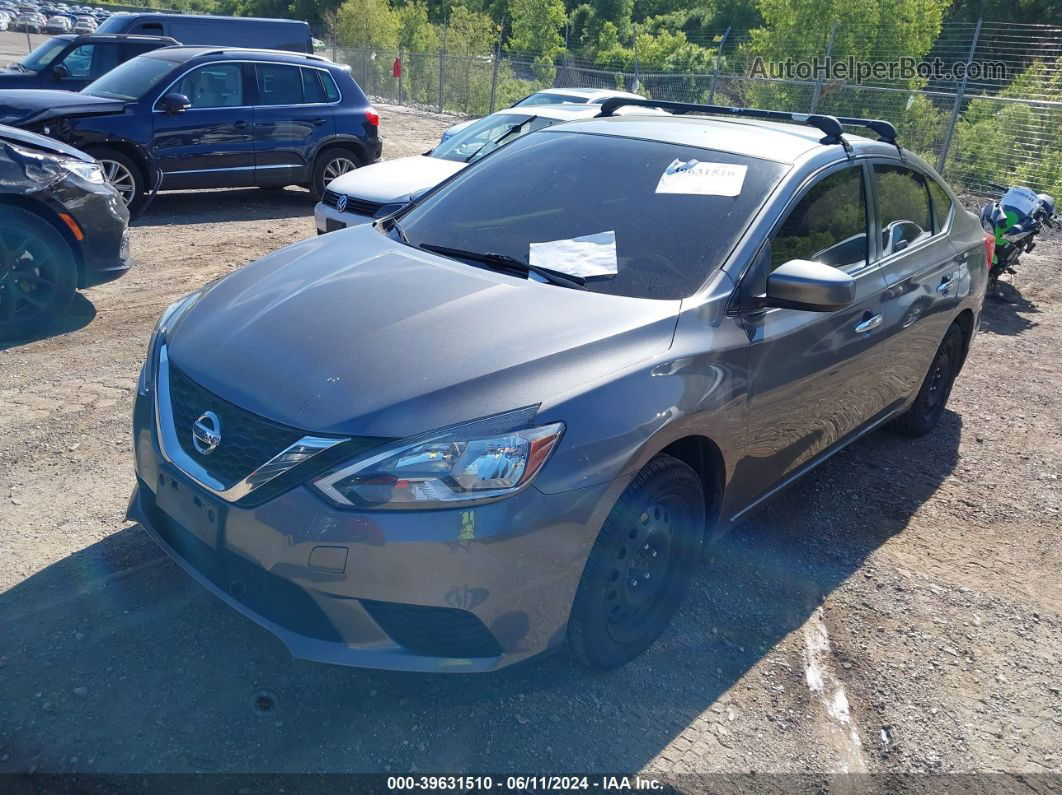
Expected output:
{"points": [[90, 172], [166, 321], [480, 460], [41, 166]]}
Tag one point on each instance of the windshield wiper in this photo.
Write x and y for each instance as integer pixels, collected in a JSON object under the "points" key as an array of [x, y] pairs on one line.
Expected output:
{"points": [[497, 141], [21, 67], [505, 262]]}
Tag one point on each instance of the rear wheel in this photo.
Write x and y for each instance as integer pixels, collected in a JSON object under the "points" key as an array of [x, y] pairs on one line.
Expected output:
{"points": [[38, 274], [928, 406], [330, 164], [124, 175], [640, 566]]}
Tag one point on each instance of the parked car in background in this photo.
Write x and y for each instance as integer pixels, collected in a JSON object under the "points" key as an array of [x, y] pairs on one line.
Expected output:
{"points": [[207, 117], [58, 24], [85, 25], [512, 416], [5, 19], [552, 96], [62, 227], [272, 34], [70, 62], [30, 22], [361, 196]]}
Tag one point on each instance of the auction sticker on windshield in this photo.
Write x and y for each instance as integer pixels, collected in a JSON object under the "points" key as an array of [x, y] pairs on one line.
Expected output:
{"points": [[704, 179]]}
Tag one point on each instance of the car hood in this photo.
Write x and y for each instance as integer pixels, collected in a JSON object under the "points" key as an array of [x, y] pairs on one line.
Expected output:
{"points": [[15, 78], [354, 333], [395, 180], [23, 138], [21, 106]]}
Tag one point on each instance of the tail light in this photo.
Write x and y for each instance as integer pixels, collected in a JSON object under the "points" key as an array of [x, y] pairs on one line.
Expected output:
{"points": [[990, 247], [372, 117]]}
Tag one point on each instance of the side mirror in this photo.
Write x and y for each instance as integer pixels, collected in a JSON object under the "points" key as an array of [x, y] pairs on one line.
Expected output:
{"points": [[810, 286], [175, 103], [900, 245], [60, 72]]}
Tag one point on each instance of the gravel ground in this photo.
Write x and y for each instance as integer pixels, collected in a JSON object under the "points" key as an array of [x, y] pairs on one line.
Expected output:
{"points": [[898, 611]]}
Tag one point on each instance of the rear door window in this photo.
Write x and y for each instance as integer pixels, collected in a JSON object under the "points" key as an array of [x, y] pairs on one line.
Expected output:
{"points": [[279, 84], [903, 207]]}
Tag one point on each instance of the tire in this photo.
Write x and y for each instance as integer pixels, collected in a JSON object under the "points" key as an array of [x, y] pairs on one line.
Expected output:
{"points": [[331, 163], [655, 529], [124, 174], [38, 274], [928, 407]]}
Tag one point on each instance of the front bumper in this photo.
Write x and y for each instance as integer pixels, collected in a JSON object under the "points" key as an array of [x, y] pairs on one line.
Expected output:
{"points": [[329, 219], [461, 590], [103, 220]]}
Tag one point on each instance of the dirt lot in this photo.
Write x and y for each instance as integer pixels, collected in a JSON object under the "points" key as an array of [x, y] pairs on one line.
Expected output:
{"points": [[900, 610]]}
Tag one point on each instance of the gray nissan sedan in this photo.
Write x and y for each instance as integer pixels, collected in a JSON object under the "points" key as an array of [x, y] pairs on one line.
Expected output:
{"points": [[511, 417]]}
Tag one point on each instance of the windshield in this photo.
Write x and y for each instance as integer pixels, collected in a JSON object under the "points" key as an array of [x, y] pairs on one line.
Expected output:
{"points": [[488, 134], [604, 206], [551, 99], [132, 79], [43, 55]]}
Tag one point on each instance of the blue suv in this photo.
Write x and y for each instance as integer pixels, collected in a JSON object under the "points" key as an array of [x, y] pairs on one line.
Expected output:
{"points": [[182, 118]]}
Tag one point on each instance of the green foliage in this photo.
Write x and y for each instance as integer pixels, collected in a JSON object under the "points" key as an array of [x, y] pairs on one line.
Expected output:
{"points": [[536, 26], [1013, 143], [367, 23]]}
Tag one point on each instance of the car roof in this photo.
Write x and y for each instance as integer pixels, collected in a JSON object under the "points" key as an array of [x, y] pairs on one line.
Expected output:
{"points": [[186, 53], [783, 143], [590, 92]]}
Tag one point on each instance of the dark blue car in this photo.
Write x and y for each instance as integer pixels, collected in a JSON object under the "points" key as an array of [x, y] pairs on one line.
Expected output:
{"points": [[181, 118]]}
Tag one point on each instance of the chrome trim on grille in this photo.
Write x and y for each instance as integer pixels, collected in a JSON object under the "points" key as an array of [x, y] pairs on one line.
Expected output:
{"points": [[302, 450]]}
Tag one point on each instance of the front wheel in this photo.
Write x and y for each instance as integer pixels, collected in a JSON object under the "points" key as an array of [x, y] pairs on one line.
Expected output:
{"points": [[124, 176], [330, 164], [928, 407], [640, 566], [38, 274]]}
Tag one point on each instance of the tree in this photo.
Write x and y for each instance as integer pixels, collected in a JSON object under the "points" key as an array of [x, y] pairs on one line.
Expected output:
{"points": [[367, 23], [536, 26]]}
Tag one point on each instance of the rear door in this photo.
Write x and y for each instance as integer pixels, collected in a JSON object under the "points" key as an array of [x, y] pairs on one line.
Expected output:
{"points": [[211, 144], [292, 114], [814, 376], [922, 270]]}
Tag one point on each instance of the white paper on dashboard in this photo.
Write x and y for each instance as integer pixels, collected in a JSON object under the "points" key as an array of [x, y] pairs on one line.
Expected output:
{"points": [[585, 256], [703, 179]]}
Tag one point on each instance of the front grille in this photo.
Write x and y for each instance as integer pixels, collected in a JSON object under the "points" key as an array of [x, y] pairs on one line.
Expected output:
{"points": [[247, 440], [276, 599], [356, 206], [434, 631]]}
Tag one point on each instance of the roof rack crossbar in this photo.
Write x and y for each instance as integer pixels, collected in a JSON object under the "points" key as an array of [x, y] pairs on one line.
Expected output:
{"points": [[830, 125]]}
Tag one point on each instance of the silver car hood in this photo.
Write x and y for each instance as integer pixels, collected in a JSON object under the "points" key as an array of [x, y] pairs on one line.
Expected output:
{"points": [[395, 180], [354, 333]]}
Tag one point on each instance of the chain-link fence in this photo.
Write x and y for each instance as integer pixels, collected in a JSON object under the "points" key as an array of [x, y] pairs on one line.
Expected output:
{"points": [[988, 115]]}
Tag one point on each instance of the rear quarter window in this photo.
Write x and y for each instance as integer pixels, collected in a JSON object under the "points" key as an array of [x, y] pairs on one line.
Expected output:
{"points": [[942, 205]]}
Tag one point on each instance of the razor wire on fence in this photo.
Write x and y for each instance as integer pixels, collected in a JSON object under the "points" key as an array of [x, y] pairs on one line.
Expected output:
{"points": [[987, 112]]}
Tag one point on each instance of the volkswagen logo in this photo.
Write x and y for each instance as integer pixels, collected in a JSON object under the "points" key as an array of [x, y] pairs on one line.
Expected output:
{"points": [[341, 203], [206, 433]]}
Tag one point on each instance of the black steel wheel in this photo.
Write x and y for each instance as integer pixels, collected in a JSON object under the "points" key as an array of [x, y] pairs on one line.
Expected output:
{"points": [[928, 407], [38, 274], [640, 566]]}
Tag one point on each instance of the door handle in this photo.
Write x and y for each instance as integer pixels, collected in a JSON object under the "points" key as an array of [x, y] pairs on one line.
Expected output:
{"points": [[869, 324], [960, 258], [239, 125], [317, 122], [944, 288]]}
